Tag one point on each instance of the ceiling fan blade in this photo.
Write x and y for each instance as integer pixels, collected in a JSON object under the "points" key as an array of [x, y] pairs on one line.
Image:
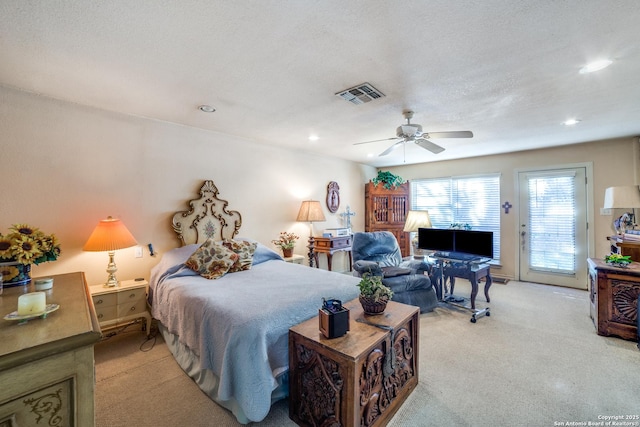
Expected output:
{"points": [[390, 149], [428, 145], [452, 134], [377, 140]]}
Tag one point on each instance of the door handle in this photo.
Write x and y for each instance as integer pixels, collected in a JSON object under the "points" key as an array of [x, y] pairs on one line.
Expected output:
{"points": [[523, 237]]}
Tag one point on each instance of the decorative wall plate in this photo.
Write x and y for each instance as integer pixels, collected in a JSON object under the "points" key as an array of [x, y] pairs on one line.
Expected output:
{"points": [[333, 197]]}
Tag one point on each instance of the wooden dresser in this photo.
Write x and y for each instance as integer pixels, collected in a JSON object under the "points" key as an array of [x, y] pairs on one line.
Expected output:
{"points": [[386, 210], [359, 379], [46, 365], [614, 297]]}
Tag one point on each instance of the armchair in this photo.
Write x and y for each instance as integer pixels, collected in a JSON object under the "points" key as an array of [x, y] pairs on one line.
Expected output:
{"points": [[378, 253]]}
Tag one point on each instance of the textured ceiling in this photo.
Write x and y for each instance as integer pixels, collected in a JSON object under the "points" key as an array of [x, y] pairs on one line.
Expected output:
{"points": [[505, 69]]}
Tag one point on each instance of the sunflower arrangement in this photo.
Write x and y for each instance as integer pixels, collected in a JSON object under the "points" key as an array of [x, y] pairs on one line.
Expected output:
{"points": [[28, 245]]}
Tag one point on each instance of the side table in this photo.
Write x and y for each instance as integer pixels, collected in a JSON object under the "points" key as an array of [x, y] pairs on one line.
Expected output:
{"points": [[295, 259], [121, 305], [331, 245]]}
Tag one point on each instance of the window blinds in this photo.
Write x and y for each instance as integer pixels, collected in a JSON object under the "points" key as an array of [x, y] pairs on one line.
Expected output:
{"points": [[473, 200]]}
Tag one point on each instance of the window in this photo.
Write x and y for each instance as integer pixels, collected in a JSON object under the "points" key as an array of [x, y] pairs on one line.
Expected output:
{"points": [[473, 200]]}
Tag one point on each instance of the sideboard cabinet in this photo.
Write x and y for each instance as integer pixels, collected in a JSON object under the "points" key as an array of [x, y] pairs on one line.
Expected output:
{"points": [[614, 295], [386, 210], [47, 365]]}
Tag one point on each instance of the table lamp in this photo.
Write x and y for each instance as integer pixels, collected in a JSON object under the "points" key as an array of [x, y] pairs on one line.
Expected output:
{"points": [[624, 197], [414, 221], [310, 211], [110, 235]]}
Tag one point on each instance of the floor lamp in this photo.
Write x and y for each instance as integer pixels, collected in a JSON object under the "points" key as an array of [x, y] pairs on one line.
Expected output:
{"points": [[310, 211]]}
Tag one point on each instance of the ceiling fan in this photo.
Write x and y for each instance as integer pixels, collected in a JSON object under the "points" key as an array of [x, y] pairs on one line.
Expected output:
{"points": [[413, 133]]}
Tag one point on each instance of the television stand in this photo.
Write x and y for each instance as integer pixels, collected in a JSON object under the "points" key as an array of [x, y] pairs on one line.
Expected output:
{"points": [[472, 271]]}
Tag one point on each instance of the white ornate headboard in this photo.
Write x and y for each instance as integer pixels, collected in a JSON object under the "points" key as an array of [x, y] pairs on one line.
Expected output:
{"points": [[206, 218]]}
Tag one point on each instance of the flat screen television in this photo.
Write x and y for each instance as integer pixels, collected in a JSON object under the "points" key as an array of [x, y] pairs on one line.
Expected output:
{"points": [[435, 239], [478, 243]]}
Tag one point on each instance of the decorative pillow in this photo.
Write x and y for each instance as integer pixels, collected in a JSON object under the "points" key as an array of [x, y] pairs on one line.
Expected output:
{"points": [[211, 260], [244, 250]]}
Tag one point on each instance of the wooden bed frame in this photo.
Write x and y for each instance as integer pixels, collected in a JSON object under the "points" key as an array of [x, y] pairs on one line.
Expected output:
{"points": [[206, 218]]}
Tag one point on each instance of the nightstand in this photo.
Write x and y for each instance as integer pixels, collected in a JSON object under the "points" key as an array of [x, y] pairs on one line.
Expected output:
{"points": [[295, 259], [121, 305]]}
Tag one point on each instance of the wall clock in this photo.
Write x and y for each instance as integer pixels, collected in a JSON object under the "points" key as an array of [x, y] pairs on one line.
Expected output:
{"points": [[333, 196]]}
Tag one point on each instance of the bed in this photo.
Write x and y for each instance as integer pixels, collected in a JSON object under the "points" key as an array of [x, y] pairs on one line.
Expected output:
{"points": [[230, 335]]}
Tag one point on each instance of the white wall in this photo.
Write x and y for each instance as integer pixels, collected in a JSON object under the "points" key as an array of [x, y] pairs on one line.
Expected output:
{"points": [[65, 166]]}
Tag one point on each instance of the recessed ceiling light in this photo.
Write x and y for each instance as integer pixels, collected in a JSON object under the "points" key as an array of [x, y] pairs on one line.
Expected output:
{"points": [[313, 137], [571, 122], [206, 108], [595, 66]]}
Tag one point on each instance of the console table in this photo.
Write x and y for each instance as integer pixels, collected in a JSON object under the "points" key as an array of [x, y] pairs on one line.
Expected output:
{"points": [[614, 296], [331, 245], [359, 379]]}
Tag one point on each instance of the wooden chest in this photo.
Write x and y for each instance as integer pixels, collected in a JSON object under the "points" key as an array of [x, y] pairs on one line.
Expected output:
{"points": [[359, 379], [614, 295]]}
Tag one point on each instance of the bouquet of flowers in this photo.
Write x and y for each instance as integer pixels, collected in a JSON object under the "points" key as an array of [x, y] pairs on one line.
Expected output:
{"points": [[28, 245], [286, 240]]}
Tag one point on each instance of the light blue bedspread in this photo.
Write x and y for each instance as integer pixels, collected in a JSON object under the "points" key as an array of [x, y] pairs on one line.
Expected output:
{"points": [[238, 325]]}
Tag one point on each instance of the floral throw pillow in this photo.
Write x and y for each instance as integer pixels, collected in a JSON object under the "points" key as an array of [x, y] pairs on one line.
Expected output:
{"points": [[245, 251], [211, 260]]}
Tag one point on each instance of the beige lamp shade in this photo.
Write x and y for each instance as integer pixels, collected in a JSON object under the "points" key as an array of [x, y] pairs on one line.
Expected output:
{"points": [[416, 220], [622, 197], [109, 235], [310, 211]]}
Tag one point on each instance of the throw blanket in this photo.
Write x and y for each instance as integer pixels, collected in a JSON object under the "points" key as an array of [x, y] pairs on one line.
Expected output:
{"points": [[238, 325]]}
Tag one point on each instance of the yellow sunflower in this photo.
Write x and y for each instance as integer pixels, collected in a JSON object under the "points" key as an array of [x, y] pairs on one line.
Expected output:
{"points": [[24, 229], [5, 246], [8, 272], [25, 249]]}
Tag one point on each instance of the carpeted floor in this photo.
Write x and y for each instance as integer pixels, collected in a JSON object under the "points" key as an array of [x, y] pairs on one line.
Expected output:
{"points": [[537, 361]]}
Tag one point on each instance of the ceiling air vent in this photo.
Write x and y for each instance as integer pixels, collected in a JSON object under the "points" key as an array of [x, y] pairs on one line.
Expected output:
{"points": [[360, 94]]}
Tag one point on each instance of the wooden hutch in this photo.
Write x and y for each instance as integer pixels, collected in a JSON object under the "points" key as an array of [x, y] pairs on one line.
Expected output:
{"points": [[386, 210]]}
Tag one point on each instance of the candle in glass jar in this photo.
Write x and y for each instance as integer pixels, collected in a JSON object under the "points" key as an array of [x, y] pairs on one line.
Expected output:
{"points": [[31, 303]]}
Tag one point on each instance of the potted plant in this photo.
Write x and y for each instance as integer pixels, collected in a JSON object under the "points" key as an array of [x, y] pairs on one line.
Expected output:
{"points": [[286, 242], [23, 246], [373, 294], [618, 260], [387, 179]]}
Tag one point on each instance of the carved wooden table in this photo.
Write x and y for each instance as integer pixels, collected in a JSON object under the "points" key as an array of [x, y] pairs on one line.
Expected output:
{"points": [[614, 298], [331, 245], [359, 379]]}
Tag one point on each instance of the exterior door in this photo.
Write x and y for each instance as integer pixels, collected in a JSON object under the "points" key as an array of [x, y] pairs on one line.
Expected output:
{"points": [[553, 243]]}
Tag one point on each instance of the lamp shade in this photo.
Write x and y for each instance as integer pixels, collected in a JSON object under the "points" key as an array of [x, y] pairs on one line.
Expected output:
{"points": [[310, 211], [417, 219], [109, 235], [622, 197]]}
